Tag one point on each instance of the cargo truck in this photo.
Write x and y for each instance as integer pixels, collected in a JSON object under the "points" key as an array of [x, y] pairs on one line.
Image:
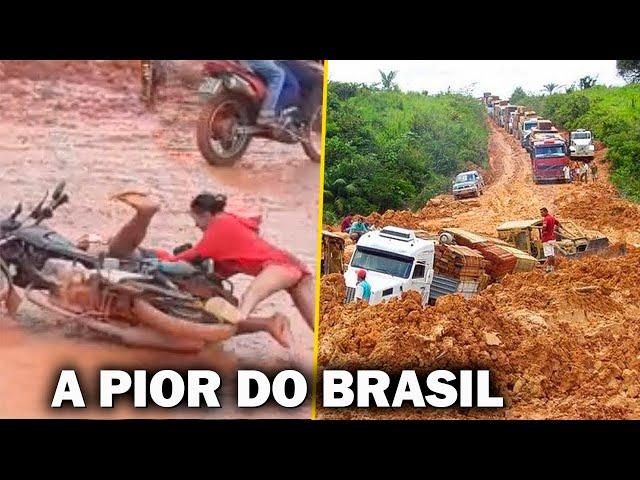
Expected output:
{"points": [[395, 260], [581, 145]]}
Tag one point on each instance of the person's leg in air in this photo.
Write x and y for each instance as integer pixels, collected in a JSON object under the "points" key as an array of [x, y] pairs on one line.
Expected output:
{"points": [[275, 76], [131, 235]]}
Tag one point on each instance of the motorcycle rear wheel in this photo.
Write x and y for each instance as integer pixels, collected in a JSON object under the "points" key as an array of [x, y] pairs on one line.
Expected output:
{"points": [[233, 109]]}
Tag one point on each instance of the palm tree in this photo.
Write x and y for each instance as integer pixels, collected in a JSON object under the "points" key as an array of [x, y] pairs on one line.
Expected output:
{"points": [[387, 80], [550, 87]]}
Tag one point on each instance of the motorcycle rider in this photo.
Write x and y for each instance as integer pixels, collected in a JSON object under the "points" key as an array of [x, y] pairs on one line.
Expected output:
{"points": [[274, 75]]}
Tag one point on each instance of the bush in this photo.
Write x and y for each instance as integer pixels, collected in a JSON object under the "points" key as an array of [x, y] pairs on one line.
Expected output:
{"points": [[393, 150]]}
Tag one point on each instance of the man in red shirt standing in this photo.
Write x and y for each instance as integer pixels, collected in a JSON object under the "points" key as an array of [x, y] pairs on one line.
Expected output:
{"points": [[548, 234]]}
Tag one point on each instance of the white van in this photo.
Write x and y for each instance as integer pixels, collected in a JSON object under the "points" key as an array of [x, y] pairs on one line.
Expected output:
{"points": [[395, 260]]}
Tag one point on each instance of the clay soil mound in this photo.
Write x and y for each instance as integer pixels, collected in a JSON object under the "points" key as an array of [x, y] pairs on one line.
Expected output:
{"points": [[558, 346]]}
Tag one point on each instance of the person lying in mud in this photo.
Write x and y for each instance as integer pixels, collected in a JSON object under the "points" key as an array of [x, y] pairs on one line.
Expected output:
{"points": [[233, 243]]}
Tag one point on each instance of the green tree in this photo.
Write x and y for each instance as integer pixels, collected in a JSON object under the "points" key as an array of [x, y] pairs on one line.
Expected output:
{"points": [[587, 82], [387, 80], [629, 70], [386, 149], [550, 87], [518, 96]]}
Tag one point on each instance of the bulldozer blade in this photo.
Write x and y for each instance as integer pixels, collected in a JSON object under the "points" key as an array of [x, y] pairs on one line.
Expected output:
{"points": [[598, 244]]}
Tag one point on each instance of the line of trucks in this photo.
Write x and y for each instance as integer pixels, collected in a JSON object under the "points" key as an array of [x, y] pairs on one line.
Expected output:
{"points": [[549, 150], [457, 261]]}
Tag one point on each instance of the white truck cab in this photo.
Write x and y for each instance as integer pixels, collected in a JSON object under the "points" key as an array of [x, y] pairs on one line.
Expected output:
{"points": [[581, 144], [395, 261]]}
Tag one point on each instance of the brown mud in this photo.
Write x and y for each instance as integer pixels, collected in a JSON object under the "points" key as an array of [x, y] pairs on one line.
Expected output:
{"points": [[559, 346]]}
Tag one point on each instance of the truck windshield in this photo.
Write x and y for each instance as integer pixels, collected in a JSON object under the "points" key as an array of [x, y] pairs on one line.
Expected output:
{"points": [[529, 125], [465, 177], [382, 262], [549, 151], [581, 136]]}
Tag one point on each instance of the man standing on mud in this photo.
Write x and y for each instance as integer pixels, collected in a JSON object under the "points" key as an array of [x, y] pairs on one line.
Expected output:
{"points": [[363, 288], [548, 234]]}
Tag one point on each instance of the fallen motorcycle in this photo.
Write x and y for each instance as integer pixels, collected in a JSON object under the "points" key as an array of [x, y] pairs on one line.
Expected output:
{"points": [[233, 95], [140, 302]]}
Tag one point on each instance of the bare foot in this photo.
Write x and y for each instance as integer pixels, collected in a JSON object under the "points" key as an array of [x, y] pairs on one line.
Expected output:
{"points": [[138, 200], [280, 329]]}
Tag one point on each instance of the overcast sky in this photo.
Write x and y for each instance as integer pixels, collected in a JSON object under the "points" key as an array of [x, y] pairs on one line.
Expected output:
{"points": [[499, 77]]}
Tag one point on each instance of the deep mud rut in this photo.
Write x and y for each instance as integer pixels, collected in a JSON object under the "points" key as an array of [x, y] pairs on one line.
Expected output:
{"points": [[83, 122], [562, 353]]}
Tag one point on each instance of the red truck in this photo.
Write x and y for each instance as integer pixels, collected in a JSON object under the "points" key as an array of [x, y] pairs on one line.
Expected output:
{"points": [[548, 159]]}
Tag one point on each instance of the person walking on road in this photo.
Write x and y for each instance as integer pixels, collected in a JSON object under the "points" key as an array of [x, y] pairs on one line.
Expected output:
{"points": [[584, 172], [567, 173], [575, 172], [548, 235], [594, 172]]}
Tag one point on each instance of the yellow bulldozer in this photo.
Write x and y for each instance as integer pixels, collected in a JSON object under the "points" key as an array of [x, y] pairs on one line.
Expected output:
{"points": [[571, 240]]}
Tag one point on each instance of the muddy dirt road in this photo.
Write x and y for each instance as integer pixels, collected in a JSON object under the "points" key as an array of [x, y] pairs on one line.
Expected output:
{"points": [[513, 195], [560, 352], [83, 122]]}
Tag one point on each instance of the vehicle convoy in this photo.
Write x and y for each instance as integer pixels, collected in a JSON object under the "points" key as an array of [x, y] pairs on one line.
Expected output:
{"points": [[233, 94], [571, 240], [508, 113], [395, 260], [581, 146], [468, 184], [141, 302], [527, 122]]}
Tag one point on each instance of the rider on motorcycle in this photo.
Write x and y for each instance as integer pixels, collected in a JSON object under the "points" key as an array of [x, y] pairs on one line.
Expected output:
{"points": [[274, 75]]}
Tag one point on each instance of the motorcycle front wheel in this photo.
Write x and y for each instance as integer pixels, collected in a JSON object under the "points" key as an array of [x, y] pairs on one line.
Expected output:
{"points": [[312, 144], [218, 140]]}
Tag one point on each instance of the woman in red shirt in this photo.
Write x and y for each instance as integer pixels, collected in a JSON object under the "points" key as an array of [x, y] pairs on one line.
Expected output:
{"points": [[235, 246]]}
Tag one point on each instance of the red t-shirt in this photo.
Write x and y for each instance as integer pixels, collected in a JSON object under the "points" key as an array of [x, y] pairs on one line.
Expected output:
{"points": [[233, 243], [549, 228], [346, 223]]}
